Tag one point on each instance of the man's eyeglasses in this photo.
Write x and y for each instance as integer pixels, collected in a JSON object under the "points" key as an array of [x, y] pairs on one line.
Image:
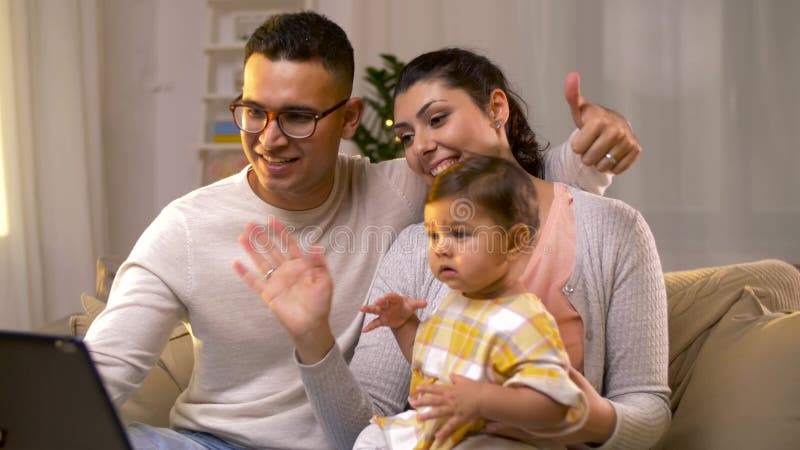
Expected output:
{"points": [[294, 124]]}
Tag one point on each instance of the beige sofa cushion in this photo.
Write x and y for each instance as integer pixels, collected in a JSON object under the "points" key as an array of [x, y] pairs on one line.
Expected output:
{"points": [[152, 402], [697, 299], [744, 390], [79, 323]]}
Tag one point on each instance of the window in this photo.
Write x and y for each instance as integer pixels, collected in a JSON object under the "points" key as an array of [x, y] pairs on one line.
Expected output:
{"points": [[6, 94], [3, 197]]}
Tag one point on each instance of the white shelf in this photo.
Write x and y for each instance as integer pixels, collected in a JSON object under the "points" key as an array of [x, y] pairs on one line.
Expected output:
{"points": [[220, 147], [228, 22]]}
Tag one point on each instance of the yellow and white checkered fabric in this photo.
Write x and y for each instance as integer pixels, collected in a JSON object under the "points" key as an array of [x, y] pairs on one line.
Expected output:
{"points": [[508, 341]]}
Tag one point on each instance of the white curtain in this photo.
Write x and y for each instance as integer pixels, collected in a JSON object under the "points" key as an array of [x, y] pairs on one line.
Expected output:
{"points": [[53, 184], [710, 88]]}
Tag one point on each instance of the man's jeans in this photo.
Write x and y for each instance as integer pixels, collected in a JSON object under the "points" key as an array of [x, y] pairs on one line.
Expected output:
{"points": [[145, 437]]}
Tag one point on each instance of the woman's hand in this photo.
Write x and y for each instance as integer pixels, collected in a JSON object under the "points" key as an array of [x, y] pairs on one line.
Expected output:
{"points": [[295, 285], [393, 311], [596, 430], [457, 404], [605, 139]]}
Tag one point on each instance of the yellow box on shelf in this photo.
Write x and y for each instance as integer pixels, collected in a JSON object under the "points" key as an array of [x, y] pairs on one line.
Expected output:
{"points": [[227, 138]]}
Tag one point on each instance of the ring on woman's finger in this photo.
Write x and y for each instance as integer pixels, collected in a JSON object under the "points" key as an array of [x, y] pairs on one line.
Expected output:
{"points": [[611, 159], [268, 274]]}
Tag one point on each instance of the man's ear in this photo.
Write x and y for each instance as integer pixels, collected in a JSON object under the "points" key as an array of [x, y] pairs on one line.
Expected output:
{"points": [[520, 240], [498, 107], [353, 110]]}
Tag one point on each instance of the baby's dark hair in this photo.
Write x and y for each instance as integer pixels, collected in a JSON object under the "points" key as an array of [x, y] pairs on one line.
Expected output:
{"points": [[497, 186]]}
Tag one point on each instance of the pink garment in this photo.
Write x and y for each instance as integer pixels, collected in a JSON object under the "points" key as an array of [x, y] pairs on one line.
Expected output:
{"points": [[550, 267]]}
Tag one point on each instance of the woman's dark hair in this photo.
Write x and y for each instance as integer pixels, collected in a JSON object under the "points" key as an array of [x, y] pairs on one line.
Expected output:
{"points": [[495, 185], [305, 36], [478, 77]]}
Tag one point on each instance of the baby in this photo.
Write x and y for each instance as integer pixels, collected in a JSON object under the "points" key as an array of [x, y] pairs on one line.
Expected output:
{"points": [[491, 351]]}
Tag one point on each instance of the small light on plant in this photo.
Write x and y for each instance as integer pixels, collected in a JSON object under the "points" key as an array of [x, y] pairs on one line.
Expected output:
{"points": [[374, 136]]}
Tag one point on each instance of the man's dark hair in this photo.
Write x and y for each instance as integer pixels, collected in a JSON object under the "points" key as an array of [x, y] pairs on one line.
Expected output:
{"points": [[305, 36], [497, 186]]}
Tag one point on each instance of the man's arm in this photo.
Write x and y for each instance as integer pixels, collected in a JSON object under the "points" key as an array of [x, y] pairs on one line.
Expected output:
{"points": [[126, 339]]}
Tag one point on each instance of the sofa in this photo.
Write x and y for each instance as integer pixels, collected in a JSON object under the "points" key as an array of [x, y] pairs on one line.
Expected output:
{"points": [[734, 357]]}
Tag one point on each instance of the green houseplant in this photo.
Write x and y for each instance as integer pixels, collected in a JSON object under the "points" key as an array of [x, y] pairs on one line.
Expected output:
{"points": [[374, 136]]}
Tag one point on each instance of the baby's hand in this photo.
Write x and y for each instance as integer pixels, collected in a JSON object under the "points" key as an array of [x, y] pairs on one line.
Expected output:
{"points": [[392, 310], [455, 404]]}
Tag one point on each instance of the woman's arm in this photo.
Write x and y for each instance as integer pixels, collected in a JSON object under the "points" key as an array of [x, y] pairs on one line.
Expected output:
{"points": [[342, 406], [636, 359], [562, 164], [527, 384], [581, 161], [629, 321], [630, 368], [598, 427], [605, 140]]}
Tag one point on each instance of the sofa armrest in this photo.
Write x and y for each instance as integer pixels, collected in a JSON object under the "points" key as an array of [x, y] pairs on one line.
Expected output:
{"points": [[152, 402], [699, 301], [58, 327]]}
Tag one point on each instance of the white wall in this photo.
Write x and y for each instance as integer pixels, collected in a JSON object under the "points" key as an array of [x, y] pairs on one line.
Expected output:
{"points": [[153, 84], [710, 87]]}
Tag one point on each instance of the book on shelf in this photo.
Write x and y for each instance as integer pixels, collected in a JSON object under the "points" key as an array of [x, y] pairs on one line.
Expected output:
{"points": [[225, 132], [227, 138]]}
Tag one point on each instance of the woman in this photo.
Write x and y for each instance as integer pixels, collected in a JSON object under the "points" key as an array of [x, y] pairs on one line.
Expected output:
{"points": [[601, 279], [595, 267]]}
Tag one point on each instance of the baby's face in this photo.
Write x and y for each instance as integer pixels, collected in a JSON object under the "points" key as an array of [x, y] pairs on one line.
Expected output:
{"points": [[467, 250]]}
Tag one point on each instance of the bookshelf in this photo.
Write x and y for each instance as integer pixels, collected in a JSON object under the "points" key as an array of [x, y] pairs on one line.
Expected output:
{"points": [[229, 25]]}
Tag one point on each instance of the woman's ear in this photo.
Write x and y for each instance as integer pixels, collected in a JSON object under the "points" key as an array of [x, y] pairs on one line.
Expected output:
{"points": [[520, 240], [498, 108], [353, 110]]}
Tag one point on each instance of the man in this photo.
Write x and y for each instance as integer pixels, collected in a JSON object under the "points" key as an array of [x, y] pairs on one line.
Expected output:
{"points": [[246, 387]]}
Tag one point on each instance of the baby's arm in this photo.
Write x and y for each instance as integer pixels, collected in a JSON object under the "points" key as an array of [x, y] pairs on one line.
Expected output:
{"points": [[398, 313], [466, 400]]}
